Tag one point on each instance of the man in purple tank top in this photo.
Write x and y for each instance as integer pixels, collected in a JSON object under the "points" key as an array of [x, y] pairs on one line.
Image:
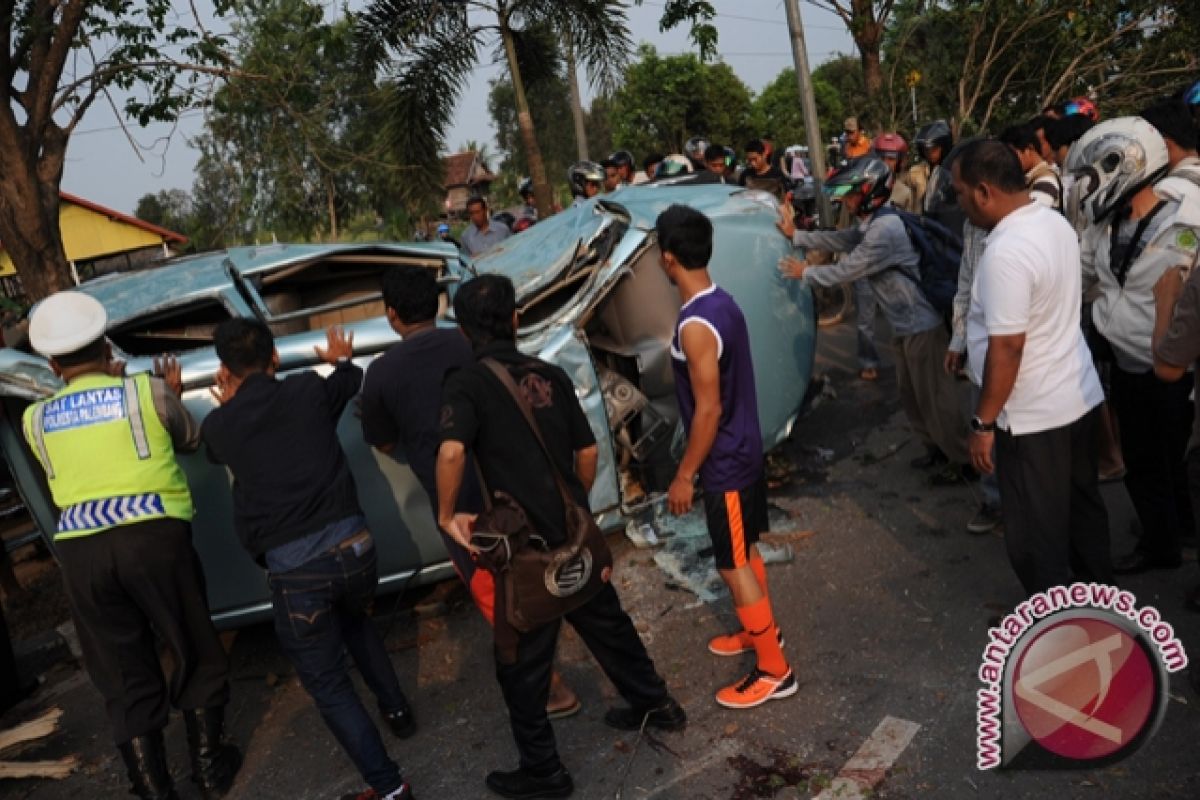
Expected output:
{"points": [[714, 384]]}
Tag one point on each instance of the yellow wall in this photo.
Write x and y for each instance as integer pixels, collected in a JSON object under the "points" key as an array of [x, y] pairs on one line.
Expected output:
{"points": [[88, 234]]}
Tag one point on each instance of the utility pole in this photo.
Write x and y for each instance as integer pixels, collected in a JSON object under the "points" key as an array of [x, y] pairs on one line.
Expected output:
{"points": [[581, 146], [808, 106]]}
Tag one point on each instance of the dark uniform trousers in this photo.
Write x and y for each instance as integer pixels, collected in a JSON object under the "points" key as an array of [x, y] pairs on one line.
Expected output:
{"points": [[1055, 522], [1156, 419], [129, 587], [609, 634]]}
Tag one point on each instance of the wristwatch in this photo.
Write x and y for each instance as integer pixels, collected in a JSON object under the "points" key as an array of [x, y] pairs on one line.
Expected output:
{"points": [[979, 426]]}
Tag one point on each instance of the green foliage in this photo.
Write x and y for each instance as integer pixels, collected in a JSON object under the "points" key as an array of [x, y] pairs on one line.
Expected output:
{"points": [[665, 101], [550, 104], [58, 59], [301, 131], [987, 63], [777, 110]]}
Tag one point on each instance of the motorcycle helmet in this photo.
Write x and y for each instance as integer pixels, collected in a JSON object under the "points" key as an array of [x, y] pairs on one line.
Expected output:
{"points": [[866, 175], [890, 145], [673, 165], [525, 188], [621, 158], [581, 173], [694, 150], [935, 133], [1083, 106], [443, 229], [1111, 162]]}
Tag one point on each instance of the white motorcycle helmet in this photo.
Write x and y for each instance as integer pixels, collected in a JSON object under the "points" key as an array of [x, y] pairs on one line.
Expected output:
{"points": [[1110, 163]]}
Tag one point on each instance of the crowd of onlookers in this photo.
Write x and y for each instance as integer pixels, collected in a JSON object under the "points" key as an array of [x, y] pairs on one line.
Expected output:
{"points": [[1128, 191]]}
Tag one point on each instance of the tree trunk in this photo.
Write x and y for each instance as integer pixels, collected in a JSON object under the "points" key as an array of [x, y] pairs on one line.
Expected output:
{"points": [[868, 35], [581, 145], [543, 195], [29, 203], [872, 73]]}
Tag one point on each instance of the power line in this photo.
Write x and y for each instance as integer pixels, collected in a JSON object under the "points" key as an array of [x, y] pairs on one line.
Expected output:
{"points": [[759, 19]]}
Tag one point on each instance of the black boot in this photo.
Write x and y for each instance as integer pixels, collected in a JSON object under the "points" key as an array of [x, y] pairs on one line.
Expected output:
{"points": [[146, 760], [214, 763]]}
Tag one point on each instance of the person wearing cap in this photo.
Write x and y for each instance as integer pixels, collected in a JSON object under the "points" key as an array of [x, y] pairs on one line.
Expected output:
{"points": [[857, 142], [107, 443]]}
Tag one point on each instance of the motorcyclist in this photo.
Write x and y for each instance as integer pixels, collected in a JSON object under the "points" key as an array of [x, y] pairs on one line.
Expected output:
{"points": [[934, 142], [585, 178], [694, 149], [529, 205], [892, 148]]}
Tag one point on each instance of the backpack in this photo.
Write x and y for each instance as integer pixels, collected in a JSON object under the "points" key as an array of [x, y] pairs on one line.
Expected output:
{"points": [[939, 250]]}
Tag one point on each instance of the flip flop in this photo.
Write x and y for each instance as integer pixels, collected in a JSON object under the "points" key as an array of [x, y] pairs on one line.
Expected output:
{"points": [[568, 711]]}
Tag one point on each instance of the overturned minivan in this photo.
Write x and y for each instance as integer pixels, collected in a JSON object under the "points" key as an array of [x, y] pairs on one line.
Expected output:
{"points": [[592, 298]]}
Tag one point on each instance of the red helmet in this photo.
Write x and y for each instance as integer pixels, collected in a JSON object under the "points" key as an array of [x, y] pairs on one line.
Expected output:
{"points": [[1081, 105], [890, 145]]}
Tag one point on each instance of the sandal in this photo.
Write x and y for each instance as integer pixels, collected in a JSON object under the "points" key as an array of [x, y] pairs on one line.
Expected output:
{"points": [[566, 711]]}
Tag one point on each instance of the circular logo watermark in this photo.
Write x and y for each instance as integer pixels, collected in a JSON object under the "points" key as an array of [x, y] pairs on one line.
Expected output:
{"points": [[1084, 688], [1075, 674]]}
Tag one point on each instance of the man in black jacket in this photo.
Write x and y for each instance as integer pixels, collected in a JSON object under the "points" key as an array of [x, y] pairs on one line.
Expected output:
{"points": [[296, 511], [479, 415]]}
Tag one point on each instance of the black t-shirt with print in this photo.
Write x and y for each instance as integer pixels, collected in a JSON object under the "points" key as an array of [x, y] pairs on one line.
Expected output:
{"points": [[479, 412]]}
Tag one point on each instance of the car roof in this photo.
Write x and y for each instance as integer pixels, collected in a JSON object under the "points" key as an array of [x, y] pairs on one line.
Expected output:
{"points": [[187, 279]]}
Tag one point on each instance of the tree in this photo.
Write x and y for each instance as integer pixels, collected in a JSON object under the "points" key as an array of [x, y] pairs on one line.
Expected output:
{"points": [[550, 104], [867, 22], [430, 47], [663, 102], [777, 108], [289, 127], [436, 46], [169, 208], [58, 58], [987, 63]]}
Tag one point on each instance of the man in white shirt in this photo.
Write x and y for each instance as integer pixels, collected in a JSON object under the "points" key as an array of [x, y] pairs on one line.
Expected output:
{"points": [[1040, 393]]}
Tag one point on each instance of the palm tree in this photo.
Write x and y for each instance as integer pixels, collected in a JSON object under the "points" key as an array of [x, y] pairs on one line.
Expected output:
{"points": [[429, 48]]}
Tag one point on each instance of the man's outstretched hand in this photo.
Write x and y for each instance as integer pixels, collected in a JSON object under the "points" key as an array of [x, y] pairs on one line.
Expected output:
{"points": [[338, 345]]}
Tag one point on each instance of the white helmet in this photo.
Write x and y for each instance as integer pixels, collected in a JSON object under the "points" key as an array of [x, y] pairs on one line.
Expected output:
{"points": [[66, 322], [1111, 162], [673, 165]]}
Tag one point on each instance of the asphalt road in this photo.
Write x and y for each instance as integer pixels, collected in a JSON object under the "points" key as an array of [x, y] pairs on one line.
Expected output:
{"points": [[884, 608]]}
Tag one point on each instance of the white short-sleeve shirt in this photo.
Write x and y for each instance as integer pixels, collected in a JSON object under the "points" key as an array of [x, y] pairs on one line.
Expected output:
{"points": [[1028, 281]]}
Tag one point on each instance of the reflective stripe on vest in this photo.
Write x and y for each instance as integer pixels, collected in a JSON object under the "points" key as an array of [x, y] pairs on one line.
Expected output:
{"points": [[111, 512]]}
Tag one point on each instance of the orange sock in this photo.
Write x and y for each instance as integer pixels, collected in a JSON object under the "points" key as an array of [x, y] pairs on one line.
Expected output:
{"points": [[757, 621]]}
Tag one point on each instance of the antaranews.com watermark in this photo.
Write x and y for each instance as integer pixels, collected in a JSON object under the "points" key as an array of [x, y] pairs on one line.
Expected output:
{"points": [[1078, 670]]}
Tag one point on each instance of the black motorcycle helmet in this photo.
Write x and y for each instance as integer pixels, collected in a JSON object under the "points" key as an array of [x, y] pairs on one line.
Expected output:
{"points": [[867, 175], [581, 173], [936, 133], [525, 188]]}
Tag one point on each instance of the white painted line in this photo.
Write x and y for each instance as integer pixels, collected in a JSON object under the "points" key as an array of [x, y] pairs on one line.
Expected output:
{"points": [[866, 768]]}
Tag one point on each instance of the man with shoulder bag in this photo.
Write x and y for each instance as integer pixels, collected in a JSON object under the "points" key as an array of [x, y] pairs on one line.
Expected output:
{"points": [[536, 453]]}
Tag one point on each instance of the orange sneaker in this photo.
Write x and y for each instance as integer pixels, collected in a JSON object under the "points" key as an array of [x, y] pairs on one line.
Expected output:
{"points": [[734, 644], [757, 688]]}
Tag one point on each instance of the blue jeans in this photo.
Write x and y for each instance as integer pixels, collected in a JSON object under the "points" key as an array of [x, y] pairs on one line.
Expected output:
{"points": [[321, 611]]}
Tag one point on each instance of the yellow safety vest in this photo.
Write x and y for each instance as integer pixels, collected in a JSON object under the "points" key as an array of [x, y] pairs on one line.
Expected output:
{"points": [[108, 458]]}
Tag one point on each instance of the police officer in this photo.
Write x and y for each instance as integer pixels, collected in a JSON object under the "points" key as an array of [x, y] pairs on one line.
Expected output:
{"points": [[107, 443]]}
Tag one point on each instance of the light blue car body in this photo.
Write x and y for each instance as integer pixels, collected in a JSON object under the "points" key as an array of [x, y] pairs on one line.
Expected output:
{"points": [[589, 286]]}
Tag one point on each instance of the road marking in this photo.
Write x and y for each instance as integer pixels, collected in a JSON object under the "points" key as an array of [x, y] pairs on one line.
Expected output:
{"points": [[726, 748], [866, 768]]}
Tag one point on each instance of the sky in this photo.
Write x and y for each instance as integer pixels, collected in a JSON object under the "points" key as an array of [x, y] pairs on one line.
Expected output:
{"points": [[105, 168]]}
